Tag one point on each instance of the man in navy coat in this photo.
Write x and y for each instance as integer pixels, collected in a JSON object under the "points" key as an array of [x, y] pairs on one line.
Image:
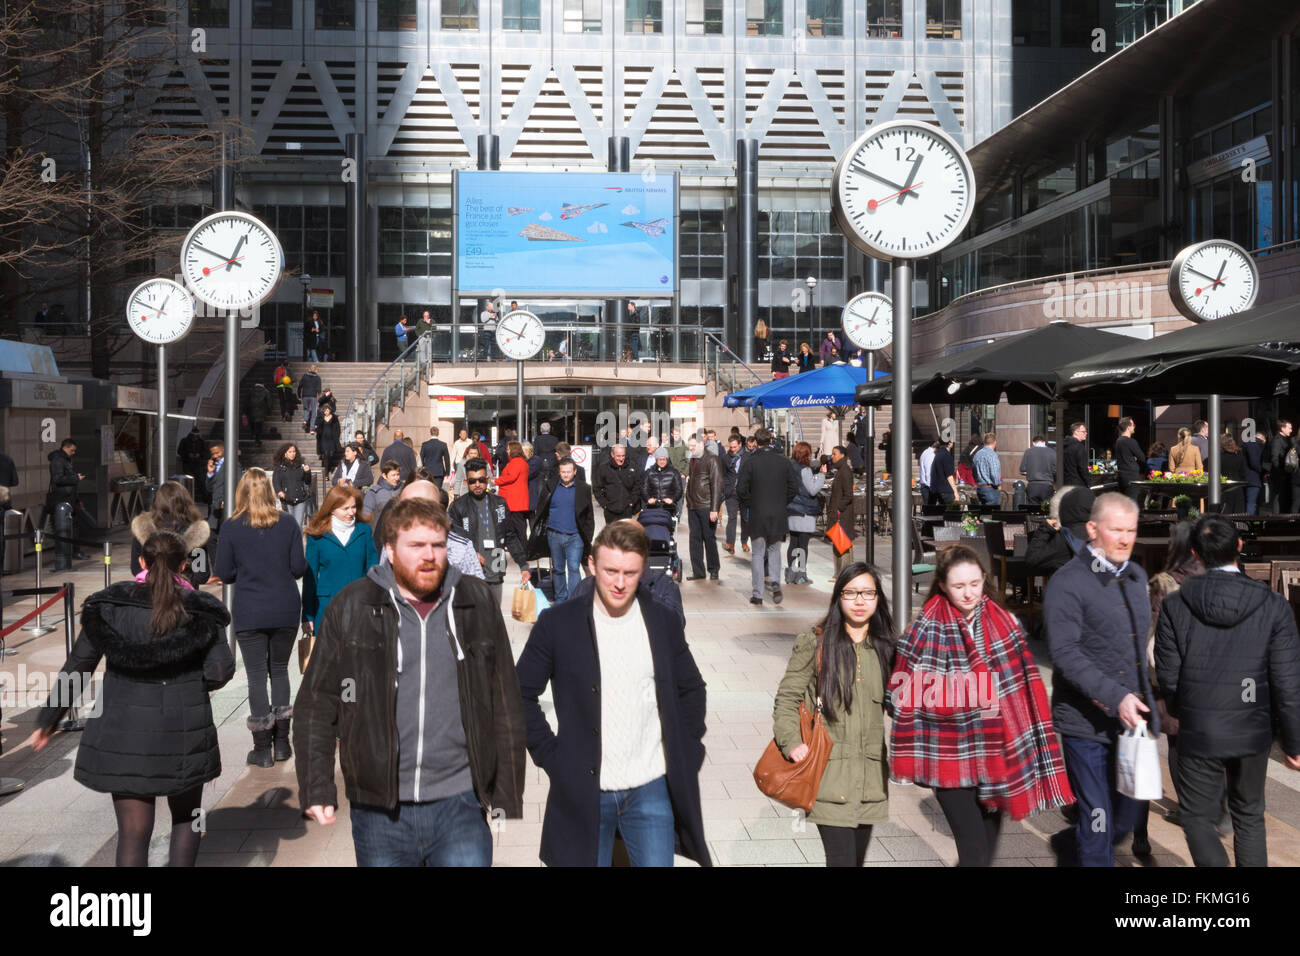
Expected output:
{"points": [[630, 706]]}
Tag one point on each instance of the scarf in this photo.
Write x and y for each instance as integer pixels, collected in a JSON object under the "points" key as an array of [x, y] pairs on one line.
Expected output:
{"points": [[341, 530], [349, 472], [974, 713]]}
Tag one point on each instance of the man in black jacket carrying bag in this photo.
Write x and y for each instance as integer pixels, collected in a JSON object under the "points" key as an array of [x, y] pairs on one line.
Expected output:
{"points": [[413, 674], [1228, 662]]}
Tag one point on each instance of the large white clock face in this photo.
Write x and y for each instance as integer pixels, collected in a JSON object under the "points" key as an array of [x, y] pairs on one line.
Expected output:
{"points": [[231, 260], [903, 190], [1212, 279], [869, 320], [160, 311], [520, 335]]}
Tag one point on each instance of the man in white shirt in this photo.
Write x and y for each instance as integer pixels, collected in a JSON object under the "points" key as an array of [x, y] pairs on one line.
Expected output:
{"points": [[630, 704], [925, 461]]}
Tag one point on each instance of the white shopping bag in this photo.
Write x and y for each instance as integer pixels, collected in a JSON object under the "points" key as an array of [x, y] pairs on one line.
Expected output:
{"points": [[1137, 773]]}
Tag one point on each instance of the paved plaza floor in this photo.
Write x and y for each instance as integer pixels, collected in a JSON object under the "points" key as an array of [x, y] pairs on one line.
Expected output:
{"points": [[252, 816]]}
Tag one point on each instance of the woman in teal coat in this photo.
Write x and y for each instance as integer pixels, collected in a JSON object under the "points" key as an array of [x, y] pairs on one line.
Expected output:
{"points": [[340, 549]]}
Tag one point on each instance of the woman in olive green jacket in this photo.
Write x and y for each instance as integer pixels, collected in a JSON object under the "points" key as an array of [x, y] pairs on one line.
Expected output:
{"points": [[856, 642]]}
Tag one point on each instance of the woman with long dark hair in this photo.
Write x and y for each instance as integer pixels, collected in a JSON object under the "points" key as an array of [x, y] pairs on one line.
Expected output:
{"points": [[173, 510], [340, 549], [328, 446], [971, 716], [802, 513], [260, 551], [842, 664], [292, 482], [154, 735]]}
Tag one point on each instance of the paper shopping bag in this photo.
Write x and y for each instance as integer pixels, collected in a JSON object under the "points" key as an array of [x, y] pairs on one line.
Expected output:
{"points": [[1137, 772], [523, 606]]}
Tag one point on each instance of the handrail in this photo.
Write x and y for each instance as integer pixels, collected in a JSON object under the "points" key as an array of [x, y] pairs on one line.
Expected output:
{"points": [[794, 426], [366, 403]]}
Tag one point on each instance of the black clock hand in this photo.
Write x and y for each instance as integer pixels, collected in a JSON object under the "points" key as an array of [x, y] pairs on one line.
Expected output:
{"points": [[1201, 274], [887, 182], [235, 255], [911, 177], [208, 251]]}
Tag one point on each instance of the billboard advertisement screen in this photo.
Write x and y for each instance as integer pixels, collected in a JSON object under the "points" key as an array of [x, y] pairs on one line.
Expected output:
{"points": [[566, 233]]}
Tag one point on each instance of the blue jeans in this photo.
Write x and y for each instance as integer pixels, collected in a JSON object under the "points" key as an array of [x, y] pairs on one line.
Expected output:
{"points": [[566, 551], [989, 496], [1252, 500], [1106, 816], [447, 832], [643, 816]]}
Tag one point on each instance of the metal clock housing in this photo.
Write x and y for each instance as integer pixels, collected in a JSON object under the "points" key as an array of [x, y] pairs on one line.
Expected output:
{"points": [[520, 335], [868, 320], [1213, 279], [160, 311], [232, 260], [903, 190]]}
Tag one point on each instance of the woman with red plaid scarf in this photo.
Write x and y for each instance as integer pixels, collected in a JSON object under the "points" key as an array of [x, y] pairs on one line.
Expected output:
{"points": [[971, 716], [841, 666]]}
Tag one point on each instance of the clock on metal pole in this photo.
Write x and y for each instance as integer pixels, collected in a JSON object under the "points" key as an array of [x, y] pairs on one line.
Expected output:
{"points": [[160, 312], [902, 191], [1207, 281], [868, 321], [232, 260], [520, 336]]}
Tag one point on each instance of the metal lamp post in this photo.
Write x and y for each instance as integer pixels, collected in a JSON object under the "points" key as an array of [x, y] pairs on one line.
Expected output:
{"points": [[811, 282]]}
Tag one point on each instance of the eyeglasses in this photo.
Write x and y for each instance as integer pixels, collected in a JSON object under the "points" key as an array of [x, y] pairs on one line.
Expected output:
{"points": [[476, 481], [854, 596]]}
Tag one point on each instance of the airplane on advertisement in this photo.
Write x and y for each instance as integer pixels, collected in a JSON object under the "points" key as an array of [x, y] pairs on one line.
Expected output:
{"points": [[569, 210], [518, 210], [535, 232], [654, 228]]}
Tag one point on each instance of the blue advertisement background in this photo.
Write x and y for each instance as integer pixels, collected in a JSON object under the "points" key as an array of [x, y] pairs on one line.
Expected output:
{"points": [[573, 249]]}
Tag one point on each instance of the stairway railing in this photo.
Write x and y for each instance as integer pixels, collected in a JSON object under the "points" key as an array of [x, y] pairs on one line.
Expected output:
{"points": [[403, 374], [730, 373]]}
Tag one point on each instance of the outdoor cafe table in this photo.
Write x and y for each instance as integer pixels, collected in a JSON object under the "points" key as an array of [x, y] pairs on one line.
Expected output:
{"points": [[1172, 489]]}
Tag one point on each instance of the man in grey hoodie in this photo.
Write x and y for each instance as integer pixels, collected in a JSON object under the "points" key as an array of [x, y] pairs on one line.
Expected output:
{"points": [[414, 676]]}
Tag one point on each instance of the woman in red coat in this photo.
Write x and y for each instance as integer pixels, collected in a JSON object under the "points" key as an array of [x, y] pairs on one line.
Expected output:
{"points": [[971, 717], [512, 485]]}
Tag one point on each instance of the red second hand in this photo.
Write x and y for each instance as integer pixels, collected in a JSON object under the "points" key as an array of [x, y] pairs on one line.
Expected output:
{"points": [[873, 203], [207, 271], [1212, 285]]}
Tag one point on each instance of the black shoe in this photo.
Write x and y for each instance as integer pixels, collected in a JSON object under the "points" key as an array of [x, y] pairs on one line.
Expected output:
{"points": [[281, 748], [261, 754], [1173, 816], [756, 601], [713, 576], [696, 577], [777, 596], [1064, 846], [1141, 846]]}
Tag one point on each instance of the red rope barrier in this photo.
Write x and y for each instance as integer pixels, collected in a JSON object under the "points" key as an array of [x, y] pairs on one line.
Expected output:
{"points": [[40, 610]]}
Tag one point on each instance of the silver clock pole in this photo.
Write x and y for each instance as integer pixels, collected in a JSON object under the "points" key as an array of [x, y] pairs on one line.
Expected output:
{"points": [[1214, 467], [901, 465], [162, 414], [519, 400], [870, 462]]}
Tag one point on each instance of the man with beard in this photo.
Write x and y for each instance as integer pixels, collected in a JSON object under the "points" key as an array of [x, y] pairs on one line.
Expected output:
{"points": [[418, 659]]}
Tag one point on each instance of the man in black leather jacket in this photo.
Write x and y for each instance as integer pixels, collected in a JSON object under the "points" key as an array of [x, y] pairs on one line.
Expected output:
{"points": [[403, 652]]}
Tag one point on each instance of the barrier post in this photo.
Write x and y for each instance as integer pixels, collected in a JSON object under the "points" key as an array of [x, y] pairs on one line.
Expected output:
{"points": [[73, 722], [108, 563], [36, 627]]}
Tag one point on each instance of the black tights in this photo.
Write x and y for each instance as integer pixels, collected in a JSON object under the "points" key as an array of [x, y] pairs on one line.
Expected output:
{"points": [[975, 829], [135, 817], [845, 846]]}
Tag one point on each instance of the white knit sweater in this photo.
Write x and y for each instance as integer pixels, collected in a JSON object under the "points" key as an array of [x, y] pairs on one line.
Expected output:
{"points": [[632, 750]]}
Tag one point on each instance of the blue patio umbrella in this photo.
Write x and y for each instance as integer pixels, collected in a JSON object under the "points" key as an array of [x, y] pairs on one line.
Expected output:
{"points": [[829, 385]]}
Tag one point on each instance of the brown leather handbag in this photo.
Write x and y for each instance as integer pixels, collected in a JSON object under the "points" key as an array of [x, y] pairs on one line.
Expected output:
{"points": [[796, 784]]}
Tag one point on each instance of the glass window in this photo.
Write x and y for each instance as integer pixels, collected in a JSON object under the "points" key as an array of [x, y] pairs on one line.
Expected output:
{"points": [[1046, 182], [210, 13], [943, 19], [523, 15], [644, 16], [581, 16], [1078, 19], [397, 14], [825, 18], [273, 14], [764, 18], [413, 240], [460, 14], [703, 17], [885, 19], [335, 15], [1031, 22]]}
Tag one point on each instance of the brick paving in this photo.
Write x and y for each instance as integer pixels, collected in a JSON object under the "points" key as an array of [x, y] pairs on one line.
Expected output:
{"points": [[252, 816]]}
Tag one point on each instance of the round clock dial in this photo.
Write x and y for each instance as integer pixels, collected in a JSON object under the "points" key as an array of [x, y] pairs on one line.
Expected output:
{"points": [[520, 335], [869, 320], [1212, 279], [231, 260], [160, 311], [903, 190]]}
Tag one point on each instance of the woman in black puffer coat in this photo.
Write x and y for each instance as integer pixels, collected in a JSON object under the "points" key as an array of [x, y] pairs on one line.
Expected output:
{"points": [[151, 732]]}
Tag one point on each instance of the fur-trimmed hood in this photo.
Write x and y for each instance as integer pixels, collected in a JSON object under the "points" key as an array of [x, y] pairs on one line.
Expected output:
{"points": [[116, 621], [196, 535]]}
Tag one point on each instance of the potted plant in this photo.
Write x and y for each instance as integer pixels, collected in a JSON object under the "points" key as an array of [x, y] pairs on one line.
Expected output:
{"points": [[1182, 504], [970, 524]]}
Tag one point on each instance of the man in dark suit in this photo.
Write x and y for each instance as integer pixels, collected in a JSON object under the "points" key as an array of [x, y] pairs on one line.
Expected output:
{"points": [[434, 456], [766, 486], [544, 444], [1130, 462], [630, 703]]}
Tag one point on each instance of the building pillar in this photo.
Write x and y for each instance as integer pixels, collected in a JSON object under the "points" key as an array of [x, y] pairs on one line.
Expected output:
{"points": [[747, 260], [618, 160], [358, 274]]}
